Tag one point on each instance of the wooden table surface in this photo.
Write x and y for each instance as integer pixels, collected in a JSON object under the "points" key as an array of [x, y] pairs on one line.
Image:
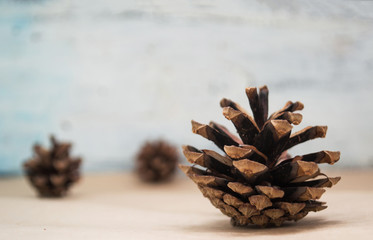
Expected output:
{"points": [[118, 206]]}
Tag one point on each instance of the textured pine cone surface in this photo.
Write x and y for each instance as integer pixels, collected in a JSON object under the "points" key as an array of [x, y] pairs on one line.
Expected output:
{"points": [[256, 181], [53, 171], [156, 161]]}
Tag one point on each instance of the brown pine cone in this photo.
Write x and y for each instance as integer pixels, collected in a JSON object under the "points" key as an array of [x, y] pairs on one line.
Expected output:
{"points": [[256, 181], [156, 161], [52, 172]]}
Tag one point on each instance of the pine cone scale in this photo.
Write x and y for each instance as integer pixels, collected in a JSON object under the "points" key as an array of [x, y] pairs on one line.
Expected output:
{"points": [[212, 134], [244, 124]]}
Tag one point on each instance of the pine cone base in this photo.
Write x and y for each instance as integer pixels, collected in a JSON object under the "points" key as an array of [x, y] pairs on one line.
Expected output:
{"points": [[245, 214]]}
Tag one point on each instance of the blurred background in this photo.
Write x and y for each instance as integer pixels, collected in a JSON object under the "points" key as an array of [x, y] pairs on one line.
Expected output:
{"points": [[108, 75]]}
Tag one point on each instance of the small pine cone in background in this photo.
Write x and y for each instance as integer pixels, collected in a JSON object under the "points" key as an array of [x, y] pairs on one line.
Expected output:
{"points": [[156, 161], [255, 180], [52, 171]]}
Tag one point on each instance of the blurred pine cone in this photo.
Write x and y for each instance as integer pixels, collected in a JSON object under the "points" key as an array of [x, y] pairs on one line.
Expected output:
{"points": [[53, 171], [156, 161], [256, 181]]}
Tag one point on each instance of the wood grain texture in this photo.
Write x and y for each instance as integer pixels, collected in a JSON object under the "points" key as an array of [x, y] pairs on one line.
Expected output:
{"points": [[119, 206]]}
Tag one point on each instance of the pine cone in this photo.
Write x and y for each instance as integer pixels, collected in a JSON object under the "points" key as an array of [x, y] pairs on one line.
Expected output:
{"points": [[53, 171], [256, 181], [156, 161]]}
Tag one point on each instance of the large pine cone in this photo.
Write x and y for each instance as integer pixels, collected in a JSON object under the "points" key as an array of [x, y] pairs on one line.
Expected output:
{"points": [[156, 161], [256, 181], [53, 171]]}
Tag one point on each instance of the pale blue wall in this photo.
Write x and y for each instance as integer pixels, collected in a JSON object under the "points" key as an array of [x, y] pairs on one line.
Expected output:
{"points": [[110, 74]]}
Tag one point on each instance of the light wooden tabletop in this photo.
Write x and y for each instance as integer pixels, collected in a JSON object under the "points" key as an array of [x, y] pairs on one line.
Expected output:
{"points": [[118, 206]]}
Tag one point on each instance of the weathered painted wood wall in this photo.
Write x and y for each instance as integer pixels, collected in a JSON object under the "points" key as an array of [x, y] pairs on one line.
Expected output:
{"points": [[110, 74]]}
